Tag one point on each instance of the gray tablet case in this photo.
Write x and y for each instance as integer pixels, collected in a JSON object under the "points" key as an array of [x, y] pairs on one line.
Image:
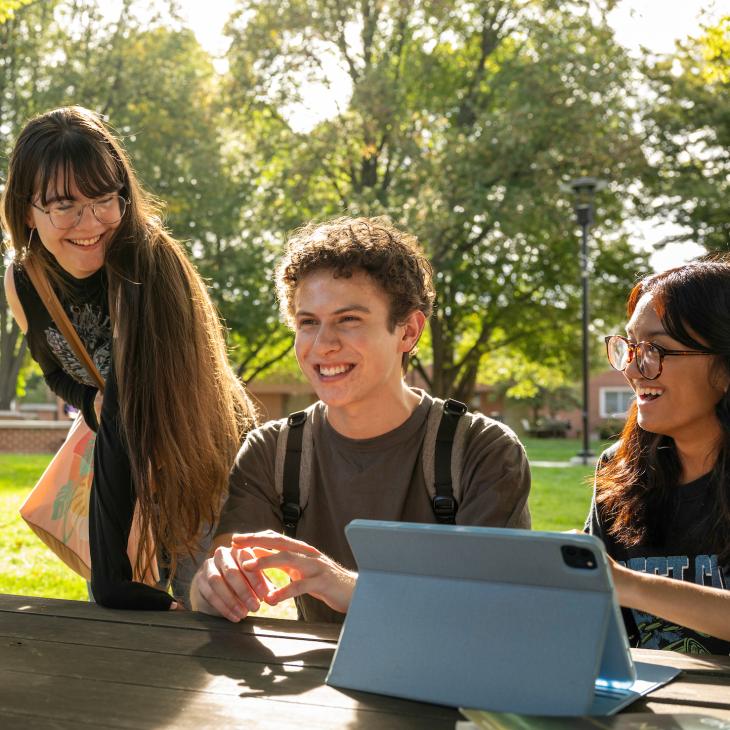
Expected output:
{"points": [[488, 618]]}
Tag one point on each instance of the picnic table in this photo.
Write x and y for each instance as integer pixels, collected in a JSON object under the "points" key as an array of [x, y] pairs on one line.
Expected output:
{"points": [[71, 664]]}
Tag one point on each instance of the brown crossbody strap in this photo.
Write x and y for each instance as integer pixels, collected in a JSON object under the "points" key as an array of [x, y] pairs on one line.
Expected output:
{"points": [[58, 315]]}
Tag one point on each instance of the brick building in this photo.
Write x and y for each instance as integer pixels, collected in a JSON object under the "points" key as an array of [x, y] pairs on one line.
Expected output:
{"points": [[609, 399]]}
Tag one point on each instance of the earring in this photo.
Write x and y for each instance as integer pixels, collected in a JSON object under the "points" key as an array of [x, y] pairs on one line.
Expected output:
{"points": [[724, 402], [30, 238]]}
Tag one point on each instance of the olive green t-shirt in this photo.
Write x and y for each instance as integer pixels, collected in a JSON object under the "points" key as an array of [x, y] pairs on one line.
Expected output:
{"points": [[378, 478]]}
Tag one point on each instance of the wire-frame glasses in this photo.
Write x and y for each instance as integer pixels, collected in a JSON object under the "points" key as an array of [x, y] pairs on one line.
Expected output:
{"points": [[64, 214]]}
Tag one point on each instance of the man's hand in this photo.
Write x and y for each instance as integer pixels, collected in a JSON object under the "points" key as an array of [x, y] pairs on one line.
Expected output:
{"points": [[222, 588], [309, 570]]}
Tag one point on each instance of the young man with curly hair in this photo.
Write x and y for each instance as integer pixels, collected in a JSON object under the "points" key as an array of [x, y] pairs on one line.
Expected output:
{"points": [[357, 293]]}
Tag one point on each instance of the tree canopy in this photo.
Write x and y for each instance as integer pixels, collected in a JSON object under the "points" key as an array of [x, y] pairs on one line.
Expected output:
{"points": [[8, 8], [460, 121], [462, 125], [689, 136]]}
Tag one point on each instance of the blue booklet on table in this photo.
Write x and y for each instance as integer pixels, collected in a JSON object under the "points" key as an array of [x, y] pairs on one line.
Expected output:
{"points": [[490, 618]]}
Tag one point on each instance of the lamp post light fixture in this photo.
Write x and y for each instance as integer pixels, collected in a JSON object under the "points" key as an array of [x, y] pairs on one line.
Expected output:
{"points": [[584, 190]]}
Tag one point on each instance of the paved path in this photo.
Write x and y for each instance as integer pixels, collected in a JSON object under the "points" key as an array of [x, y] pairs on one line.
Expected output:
{"points": [[554, 464]]}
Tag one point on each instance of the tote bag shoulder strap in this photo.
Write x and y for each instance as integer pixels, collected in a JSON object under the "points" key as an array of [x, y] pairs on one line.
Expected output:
{"points": [[58, 315]]}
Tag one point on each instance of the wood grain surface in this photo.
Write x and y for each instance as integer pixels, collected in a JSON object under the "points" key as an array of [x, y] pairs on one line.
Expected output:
{"points": [[71, 664]]}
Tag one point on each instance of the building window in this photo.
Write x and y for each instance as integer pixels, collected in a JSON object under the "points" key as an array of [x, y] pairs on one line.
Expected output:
{"points": [[615, 402]]}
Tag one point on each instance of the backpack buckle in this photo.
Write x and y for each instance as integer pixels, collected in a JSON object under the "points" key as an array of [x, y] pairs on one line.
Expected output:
{"points": [[444, 508], [455, 407], [296, 419], [290, 513]]}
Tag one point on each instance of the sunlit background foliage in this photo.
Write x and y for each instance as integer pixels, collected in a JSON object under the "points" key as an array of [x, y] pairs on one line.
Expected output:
{"points": [[464, 120]]}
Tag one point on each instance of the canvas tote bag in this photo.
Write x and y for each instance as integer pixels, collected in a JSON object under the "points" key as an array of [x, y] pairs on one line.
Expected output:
{"points": [[57, 509]]}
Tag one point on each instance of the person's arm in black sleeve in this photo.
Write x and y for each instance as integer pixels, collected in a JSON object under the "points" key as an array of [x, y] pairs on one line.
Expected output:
{"points": [[60, 382], [111, 510], [76, 394]]}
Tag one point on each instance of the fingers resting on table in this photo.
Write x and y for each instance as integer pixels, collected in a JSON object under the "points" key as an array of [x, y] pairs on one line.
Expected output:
{"points": [[222, 587], [232, 582]]}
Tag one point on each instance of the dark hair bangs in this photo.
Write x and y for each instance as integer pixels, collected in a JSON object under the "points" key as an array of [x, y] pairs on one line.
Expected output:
{"points": [[89, 163]]}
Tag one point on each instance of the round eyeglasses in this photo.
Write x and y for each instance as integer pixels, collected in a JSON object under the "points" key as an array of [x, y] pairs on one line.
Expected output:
{"points": [[649, 356], [66, 214]]}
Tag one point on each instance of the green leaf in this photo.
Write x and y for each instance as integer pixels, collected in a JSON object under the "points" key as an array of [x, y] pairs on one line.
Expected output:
{"points": [[63, 501]]}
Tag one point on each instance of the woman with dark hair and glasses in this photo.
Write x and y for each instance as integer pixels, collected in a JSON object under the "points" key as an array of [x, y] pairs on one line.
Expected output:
{"points": [[662, 493], [173, 414]]}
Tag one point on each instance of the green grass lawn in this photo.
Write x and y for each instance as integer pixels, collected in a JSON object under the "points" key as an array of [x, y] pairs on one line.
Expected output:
{"points": [[559, 500], [560, 496], [558, 449]]}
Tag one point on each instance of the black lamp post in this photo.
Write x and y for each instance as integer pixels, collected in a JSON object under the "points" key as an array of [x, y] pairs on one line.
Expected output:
{"points": [[584, 190]]}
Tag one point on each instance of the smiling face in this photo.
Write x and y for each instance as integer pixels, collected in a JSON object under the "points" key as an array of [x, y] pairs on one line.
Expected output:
{"points": [[344, 346], [681, 402], [79, 250]]}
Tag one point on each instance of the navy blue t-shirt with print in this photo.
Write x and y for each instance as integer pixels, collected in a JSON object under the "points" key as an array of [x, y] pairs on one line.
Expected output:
{"points": [[682, 556]]}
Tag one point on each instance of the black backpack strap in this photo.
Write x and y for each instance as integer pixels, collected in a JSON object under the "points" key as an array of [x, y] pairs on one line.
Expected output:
{"points": [[290, 509], [444, 503]]}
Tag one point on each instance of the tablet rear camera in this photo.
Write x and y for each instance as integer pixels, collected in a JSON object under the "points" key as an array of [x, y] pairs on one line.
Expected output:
{"points": [[578, 557]]}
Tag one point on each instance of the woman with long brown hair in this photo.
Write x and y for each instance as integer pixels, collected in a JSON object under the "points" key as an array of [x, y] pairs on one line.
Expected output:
{"points": [[173, 415], [662, 494]]}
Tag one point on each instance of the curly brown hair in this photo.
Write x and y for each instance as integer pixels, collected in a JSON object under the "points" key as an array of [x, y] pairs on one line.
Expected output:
{"points": [[393, 258]]}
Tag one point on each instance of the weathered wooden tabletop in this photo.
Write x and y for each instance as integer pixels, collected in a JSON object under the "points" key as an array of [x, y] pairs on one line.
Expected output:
{"points": [[70, 664]]}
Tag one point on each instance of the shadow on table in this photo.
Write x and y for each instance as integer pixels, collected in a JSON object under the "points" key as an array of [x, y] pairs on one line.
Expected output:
{"points": [[259, 671], [295, 679], [287, 676]]}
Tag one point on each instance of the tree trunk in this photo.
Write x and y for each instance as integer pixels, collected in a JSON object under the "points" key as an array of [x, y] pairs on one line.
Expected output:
{"points": [[12, 352]]}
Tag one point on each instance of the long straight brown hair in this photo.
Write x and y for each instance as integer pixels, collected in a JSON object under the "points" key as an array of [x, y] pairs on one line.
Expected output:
{"points": [[183, 411], [693, 304]]}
